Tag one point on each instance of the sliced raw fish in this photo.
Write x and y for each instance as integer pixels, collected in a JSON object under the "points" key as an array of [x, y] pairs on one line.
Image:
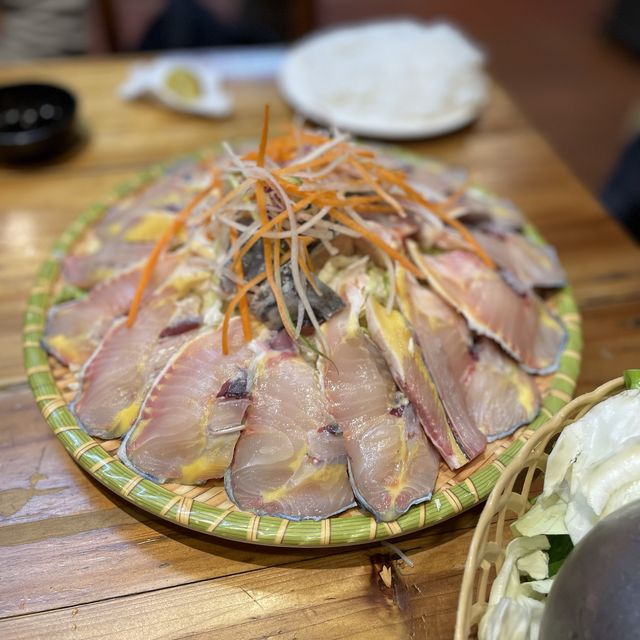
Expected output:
{"points": [[524, 264], [500, 396], [391, 462], [192, 416], [455, 437], [116, 378], [520, 323], [111, 258], [290, 459], [127, 232], [477, 206], [169, 193], [415, 302], [436, 182], [75, 328], [434, 320]]}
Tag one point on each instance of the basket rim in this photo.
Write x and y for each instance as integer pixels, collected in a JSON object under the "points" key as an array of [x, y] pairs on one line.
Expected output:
{"points": [[554, 426], [242, 526]]}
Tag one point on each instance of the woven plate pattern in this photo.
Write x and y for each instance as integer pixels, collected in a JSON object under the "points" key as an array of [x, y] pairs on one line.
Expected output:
{"points": [[206, 508]]}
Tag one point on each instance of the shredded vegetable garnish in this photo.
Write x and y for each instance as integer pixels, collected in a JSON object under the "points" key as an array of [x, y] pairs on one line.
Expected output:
{"points": [[244, 304], [311, 194], [160, 246]]}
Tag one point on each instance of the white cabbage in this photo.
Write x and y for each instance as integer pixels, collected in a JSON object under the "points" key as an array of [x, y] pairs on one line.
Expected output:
{"points": [[593, 470]]}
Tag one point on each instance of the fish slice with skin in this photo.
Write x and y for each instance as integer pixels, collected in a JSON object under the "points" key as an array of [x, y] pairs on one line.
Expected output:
{"points": [[290, 460], [75, 328], [500, 396], [415, 302], [127, 231], [392, 464], [111, 259], [524, 264], [116, 378], [457, 441], [520, 323], [434, 320], [193, 414], [476, 206]]}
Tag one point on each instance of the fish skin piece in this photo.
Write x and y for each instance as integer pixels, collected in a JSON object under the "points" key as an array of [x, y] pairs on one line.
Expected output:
{"points": [[392, 464], [184, 432], [520, 323], [75, 328], [415, 307], [525, 265], [116, 378], [457, 443], [289, 462], [500, 396], [263, 303]]}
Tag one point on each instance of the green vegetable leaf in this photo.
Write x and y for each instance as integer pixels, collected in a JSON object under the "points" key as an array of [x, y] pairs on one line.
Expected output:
{"points": [[559, 549], [632, 378]]}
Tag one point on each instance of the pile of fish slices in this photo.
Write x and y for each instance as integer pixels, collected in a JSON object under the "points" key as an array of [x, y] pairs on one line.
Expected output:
{"points": [[350, 381]]}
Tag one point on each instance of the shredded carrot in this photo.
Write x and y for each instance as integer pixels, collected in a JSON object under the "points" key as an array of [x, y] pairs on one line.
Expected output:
{"points": [[376, 241], [244, 304], [373, 183], [453, 222], [263, 137], [161, 244], [240, 294], [301, 204], [224, 201], [267, 245], [304, 260]]}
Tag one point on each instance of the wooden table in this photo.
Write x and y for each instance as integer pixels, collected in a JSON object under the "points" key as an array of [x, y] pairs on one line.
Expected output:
{"points": [[75, 561]]}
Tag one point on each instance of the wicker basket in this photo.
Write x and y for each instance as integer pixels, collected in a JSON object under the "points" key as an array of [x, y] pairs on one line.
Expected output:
{"points": [[508, 500]]}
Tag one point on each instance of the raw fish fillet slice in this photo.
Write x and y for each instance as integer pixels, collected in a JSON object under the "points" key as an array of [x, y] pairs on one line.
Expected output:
{"points": [[520, 323], [458, 441], [435, 320], [497, 393], [500, 396], [127, 232], [434, 181], [192, 416], [74, 329], [87, 271], [290, 460], [116, 378], [415, 302], [524, 264], [170, 193], [391, 462], [476, 206]]}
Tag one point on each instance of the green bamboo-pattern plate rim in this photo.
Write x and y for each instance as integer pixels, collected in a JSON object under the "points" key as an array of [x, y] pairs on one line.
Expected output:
{"points": [[237, 525]]}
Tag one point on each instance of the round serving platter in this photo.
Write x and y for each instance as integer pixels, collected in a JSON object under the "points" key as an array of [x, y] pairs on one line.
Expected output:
{"points": [[206, 508]]}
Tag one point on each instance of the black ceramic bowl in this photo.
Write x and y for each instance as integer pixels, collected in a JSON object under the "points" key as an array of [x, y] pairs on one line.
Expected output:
{"points": [[36, 121]]}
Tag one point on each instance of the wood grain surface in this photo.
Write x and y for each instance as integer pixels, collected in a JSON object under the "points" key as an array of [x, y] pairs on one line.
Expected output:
{"points": [[78, 562]]}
